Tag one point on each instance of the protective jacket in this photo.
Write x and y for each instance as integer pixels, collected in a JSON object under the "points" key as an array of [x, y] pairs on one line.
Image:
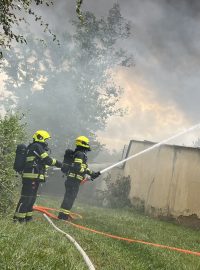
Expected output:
{"points": [[79, 167], [36, 161]]}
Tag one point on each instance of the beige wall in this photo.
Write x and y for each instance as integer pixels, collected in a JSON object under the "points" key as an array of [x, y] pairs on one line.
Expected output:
{"points": [[166, 180]]}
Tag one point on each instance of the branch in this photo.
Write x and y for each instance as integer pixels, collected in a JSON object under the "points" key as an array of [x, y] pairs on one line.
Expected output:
{"points": [[78, 10]]}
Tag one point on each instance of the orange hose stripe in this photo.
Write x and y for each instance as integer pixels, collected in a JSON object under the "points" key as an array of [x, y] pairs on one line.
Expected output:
{"points": [[137, 241], [134, 240], [43, 210], [73, 215]]}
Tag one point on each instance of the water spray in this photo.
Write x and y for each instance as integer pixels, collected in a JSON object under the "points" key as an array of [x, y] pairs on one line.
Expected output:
{"points": [[151, 148]]}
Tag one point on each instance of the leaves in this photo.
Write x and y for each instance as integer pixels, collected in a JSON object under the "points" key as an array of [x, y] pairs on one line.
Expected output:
{"points": [[10, 12], [117, 192], [11, 133], [78, 10], [10, 18]]}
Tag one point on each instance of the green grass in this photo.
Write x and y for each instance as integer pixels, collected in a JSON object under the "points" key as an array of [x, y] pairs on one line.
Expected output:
{"points": [[38, 246]]}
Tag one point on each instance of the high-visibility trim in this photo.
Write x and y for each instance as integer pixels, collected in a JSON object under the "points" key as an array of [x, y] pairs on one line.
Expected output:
{"points": [[79, 177], [84, 166], [78, 160], [41, 177], [44, 155], [64, 211], [33, 176], [89, 171], [20, 215], [82, 170], [31, 158], [53, 161], [29, 214]]}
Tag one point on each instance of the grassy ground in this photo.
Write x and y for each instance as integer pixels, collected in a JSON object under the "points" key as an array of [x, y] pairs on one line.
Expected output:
{"points": [[37, 246]]}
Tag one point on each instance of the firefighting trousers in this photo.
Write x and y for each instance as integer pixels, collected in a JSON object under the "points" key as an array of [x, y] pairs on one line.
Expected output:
{"points": [[71, 191], [24, 210]]}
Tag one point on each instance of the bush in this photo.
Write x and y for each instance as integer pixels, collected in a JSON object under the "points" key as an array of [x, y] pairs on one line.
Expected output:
{"points": [[116, 194], [11, 134]]}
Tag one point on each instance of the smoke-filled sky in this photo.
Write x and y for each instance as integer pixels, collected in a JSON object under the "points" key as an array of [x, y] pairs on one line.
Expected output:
{"points": [[162, 90]]}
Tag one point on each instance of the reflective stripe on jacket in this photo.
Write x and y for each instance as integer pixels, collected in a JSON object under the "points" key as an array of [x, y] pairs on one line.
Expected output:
{"points": [[79, 166], [36, 160]]}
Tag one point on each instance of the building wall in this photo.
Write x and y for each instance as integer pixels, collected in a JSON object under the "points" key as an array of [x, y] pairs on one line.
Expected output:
{"points": [[166, 180]]}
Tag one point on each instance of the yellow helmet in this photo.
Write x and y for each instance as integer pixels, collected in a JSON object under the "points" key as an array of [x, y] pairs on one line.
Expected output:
{"points": [[41, 136], [83, 141]]}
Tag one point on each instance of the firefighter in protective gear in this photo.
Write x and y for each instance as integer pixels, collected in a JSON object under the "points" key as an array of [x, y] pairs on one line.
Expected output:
{"points": [[75, 175], [33, 174]]}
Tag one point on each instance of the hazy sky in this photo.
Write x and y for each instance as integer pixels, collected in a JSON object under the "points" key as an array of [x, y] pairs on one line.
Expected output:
{"points": [[162, 89]]}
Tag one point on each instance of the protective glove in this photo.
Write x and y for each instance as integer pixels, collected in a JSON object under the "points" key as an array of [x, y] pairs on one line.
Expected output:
{"points": [[65, 168], [94, 175], [58, 164]]}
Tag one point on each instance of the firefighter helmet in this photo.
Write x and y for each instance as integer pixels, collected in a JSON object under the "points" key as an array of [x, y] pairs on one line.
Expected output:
{"points": [[83, 141], [41, 136]]}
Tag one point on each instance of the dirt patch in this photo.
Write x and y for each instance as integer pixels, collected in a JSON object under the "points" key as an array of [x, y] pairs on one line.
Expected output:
{"points": [[190, 221]]}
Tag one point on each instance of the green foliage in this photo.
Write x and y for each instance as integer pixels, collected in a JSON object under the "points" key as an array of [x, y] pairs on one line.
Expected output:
{"points": [[11, 133], [117, 192], [78, 10], [76, 80], [13, 13]]}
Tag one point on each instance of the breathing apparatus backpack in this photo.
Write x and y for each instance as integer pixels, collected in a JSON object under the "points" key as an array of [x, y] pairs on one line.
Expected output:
{"points": [[67, 161], [20, 158]]}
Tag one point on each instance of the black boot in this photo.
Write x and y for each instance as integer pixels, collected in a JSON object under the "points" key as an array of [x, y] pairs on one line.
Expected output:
{"points": [[17, 219], [63, 216], [28, 219]]}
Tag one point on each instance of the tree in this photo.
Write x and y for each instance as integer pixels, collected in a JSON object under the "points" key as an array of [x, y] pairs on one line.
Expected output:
{"points": [[13, 13], [78, 91]]}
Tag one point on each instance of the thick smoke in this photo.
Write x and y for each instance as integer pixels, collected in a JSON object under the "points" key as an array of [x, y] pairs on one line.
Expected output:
{"points": [[165, 44], [162, 90], [165, 78], [167, 38]]}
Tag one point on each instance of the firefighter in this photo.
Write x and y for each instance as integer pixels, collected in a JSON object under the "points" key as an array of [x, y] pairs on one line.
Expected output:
{"points": [[33, 174], [76, 173]]}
